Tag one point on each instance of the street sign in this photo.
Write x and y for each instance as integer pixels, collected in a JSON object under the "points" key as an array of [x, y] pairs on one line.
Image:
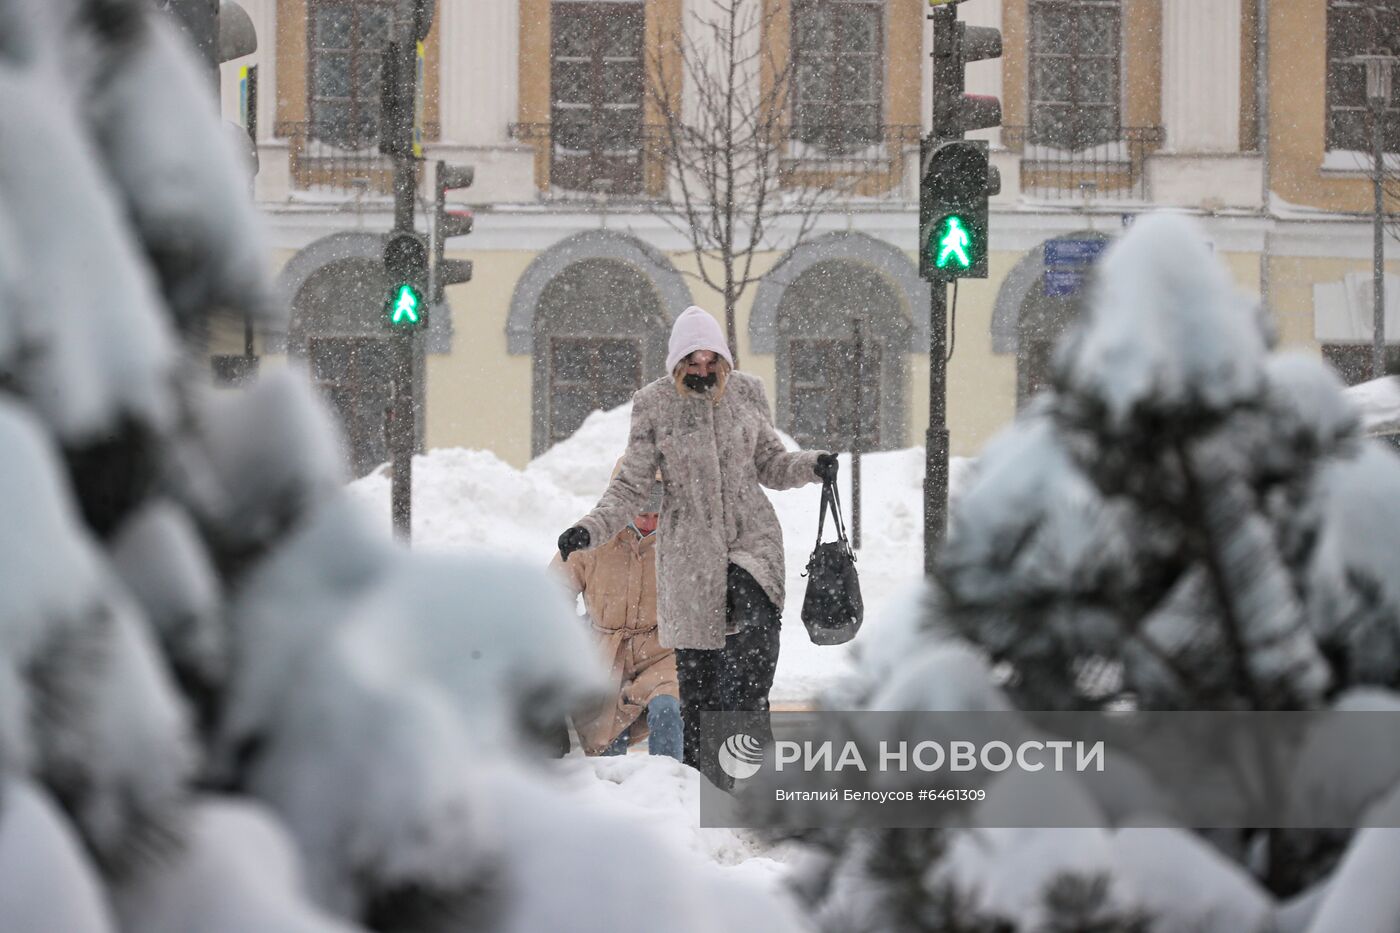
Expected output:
{"points": [[1067, 265], [1060, 283], [1061, 253]]}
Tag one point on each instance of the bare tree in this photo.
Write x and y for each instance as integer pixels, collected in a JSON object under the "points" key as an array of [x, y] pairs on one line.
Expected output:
{"points": [[723, 99]]}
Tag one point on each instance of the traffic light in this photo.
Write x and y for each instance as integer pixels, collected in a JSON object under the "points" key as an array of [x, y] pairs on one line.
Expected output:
{"points": [[955, 46], [957, 181], [449, 224], [406, 264], [956, 178]]}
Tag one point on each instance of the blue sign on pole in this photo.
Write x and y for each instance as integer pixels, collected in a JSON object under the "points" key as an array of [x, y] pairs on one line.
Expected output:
{"points": [[1067, 264], [1063, 282], [1060, 253]]}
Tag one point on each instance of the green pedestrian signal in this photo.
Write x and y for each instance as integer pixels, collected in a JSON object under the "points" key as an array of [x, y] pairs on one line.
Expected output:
{"points": [[405, 307], [951, 245], [957, 182]]}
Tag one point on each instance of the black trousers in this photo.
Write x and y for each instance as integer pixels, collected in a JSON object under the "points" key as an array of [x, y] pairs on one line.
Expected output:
{"points": [[734, 679]]}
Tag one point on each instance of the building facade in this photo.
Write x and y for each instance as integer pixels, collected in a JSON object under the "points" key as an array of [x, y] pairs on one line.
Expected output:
{"points": [[1244, 113]]}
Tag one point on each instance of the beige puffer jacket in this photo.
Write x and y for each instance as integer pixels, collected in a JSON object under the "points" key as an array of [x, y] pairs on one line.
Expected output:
{"points": [[712, 458], [618, 583]]}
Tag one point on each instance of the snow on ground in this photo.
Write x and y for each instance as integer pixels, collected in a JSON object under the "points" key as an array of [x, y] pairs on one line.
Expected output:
{"points": [[668, 795], [471, 500]]}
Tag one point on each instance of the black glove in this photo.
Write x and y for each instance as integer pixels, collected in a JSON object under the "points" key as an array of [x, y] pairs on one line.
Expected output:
{"points": [[575, 539], [826, 467]]}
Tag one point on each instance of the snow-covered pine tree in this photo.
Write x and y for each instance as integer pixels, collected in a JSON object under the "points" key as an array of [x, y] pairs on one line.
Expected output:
{"points": [[1146, 539], [225, 703], [1186, 521]]}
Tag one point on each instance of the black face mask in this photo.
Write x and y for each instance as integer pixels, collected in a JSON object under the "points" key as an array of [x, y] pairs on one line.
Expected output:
{"points": [[696, 383]]}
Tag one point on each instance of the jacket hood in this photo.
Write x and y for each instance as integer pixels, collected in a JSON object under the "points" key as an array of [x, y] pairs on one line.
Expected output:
{"points": [[695, 330]]}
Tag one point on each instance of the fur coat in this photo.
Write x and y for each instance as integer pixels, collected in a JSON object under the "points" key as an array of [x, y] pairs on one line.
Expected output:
{"points": [[712, 456]]}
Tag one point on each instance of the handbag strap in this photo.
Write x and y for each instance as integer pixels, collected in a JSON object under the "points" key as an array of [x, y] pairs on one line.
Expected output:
{"points": [[832, 496]]}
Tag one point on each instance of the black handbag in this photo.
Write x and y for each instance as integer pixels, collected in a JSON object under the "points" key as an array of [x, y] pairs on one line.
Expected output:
{"points": [[832, 610]]}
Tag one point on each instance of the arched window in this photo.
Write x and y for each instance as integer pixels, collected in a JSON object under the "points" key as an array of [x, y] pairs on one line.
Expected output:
{"points": [[841, 358], [346, 40], [599, 336], [335, 318], [1355, 27], [1075, 72]]}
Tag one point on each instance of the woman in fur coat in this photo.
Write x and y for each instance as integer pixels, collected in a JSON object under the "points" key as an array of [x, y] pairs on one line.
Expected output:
{"points": [[719, 555]]}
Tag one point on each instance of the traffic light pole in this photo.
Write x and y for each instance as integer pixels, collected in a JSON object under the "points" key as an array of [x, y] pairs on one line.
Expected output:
{"points": [[945, 74], [936, 441], [403, 416], [956, 179]]}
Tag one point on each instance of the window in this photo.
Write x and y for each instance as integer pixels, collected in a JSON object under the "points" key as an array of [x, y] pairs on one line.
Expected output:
{"points": [[1355, 27], [589, 374], [347, 40], [596, 89], [1075, 73], [824, 392], [837, 73]]}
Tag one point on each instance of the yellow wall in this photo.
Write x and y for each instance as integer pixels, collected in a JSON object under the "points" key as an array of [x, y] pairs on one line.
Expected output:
{"points": [[1291, 281], [479, 395], [1298, 112], [981, 385]]}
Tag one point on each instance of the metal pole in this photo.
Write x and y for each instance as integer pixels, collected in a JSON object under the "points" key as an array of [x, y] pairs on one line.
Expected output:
{"points": [[251, 92], [856, 433], [1378, 232], [404, 417], [936, 443]]}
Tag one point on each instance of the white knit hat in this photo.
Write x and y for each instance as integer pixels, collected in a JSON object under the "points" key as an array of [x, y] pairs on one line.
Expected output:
{"points": [[695, 330]]}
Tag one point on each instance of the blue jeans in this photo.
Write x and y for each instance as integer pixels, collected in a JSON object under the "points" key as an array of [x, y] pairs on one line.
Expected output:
{"points": [[666, 733]]}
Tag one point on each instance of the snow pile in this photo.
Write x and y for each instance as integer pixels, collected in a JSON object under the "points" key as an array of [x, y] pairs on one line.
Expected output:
{"points": [[627, 812], [470, 501]]}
